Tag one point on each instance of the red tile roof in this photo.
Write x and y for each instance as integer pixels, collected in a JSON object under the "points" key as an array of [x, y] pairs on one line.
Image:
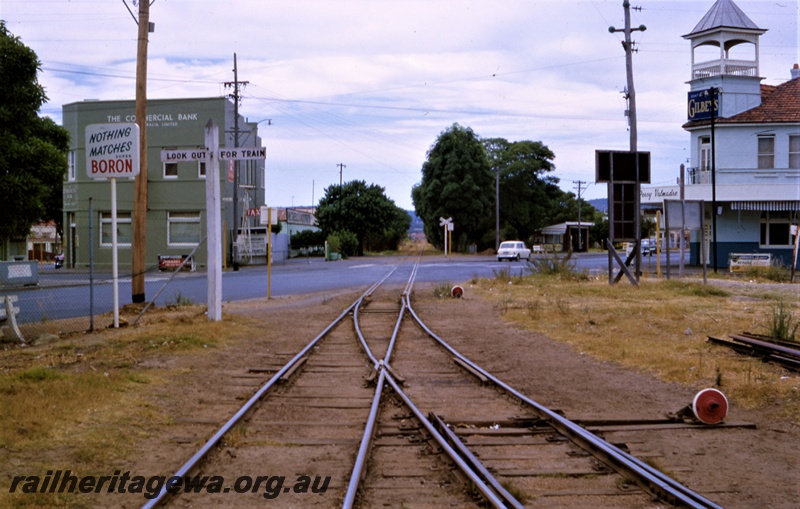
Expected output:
{"points": [[779, 104]]}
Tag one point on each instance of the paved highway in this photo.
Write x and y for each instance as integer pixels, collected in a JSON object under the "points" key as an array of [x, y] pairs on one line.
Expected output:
{"points": [[66, 293]]}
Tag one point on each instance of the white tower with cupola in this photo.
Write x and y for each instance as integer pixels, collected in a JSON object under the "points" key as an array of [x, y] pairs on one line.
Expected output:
{"points": [[725, 56]]}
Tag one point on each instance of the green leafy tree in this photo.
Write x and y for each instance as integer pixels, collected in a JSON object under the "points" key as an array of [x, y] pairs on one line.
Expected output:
{"points": [[362, 209], [392, 234], [308, 238], [456, 182], [32, 149], [527, 191]]}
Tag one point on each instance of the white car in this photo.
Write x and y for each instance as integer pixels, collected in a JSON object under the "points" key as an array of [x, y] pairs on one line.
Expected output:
{"points": [[513, 250], [647, 248]]}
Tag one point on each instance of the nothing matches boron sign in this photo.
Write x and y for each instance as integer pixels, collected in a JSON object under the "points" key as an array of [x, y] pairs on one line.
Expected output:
{"points": [[112, 150]]}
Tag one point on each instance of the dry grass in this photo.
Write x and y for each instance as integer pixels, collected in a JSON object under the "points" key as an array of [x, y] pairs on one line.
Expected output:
{"points": [[660, 328], [80, 404]]}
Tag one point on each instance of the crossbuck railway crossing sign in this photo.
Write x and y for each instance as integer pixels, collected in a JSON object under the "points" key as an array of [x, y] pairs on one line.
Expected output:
{"points": [[226, 153]]}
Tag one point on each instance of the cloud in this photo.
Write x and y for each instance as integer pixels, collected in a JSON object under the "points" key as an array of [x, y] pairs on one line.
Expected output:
{"points": [[371, 84]]}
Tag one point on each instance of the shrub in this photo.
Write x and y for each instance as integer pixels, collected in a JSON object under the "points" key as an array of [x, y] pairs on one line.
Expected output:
{"points": [[348, 243], [557, 266], [775, 272], [784, 326]]}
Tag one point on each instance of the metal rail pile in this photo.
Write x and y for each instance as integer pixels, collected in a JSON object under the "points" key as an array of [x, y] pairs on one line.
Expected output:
{"points": [[784, 353]]}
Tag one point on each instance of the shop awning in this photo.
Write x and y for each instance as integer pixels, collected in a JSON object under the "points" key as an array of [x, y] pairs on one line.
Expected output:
{"points": [[772, 206]]}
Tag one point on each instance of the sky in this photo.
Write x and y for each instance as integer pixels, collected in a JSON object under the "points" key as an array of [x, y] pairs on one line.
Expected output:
{"points": [[371, 84]]}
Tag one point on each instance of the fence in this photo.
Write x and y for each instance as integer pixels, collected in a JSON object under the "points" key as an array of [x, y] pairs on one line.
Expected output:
{"points": [[67, 300]]}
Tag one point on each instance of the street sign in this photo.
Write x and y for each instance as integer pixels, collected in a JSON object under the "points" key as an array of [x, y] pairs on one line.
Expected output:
{"points": [[230, 154], [175, 156], [443, 221], [266, 217], [112, 150], [243, 153]]}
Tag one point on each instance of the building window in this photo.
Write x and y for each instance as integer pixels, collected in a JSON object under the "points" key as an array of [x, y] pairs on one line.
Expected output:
{"points": [[705, 153], [201, 169], [183, 228], [766, 152], [794, 152], [124, 229], [71, 166], [170, 170], [775, 229]]}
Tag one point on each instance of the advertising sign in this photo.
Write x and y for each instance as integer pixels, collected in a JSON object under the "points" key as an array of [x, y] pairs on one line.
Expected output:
{"points": [[112, 150], [699, 105]]}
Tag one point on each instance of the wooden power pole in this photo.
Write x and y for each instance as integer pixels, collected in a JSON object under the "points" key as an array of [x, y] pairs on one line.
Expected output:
{"points": [[139, 247], [236, 96], [627, 44]]}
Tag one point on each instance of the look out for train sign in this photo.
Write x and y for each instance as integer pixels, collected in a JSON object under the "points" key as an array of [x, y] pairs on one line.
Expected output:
{"points": [[112, 150]]}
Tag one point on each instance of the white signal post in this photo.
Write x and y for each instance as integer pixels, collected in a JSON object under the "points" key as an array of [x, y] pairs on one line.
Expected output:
{"points": [[447, 224], [213, 154], [213, 223], [112, 150]]}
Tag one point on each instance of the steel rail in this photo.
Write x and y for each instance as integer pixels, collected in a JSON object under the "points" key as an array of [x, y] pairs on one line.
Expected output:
{"points": [[766, 354], [381, 367], [357, 306], [767, 345], [654, 481], [473, 476], [474, 462], [244, 409], [366, 442]]}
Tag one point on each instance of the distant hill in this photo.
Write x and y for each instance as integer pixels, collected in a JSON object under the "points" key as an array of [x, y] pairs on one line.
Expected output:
{"points": [[601, 204], [416, 222]]}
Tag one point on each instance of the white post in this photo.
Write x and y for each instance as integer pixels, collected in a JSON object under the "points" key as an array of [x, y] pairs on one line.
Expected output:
{"points": [[114, 257], [213, 223], [269, 253], [445, 239]]}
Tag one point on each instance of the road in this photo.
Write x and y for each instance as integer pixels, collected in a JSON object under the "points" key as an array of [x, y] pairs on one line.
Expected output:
{"points": [[65, 293]]}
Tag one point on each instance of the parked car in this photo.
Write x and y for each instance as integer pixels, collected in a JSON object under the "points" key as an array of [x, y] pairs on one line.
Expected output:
{"points": [[647, 248], [513, 250]]}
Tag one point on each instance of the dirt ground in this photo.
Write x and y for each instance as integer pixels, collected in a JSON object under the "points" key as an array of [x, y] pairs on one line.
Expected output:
{"points": [[737, 468]]}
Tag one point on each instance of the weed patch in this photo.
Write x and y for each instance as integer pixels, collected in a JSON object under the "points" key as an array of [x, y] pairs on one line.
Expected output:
{"points": [[660, 328]]}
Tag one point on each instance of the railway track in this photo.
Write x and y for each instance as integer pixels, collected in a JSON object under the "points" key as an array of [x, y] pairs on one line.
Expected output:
{"points": [[378, 411]]}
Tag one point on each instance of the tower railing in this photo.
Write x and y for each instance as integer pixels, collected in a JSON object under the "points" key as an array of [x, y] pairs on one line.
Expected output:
{"points": [[725, 66]]}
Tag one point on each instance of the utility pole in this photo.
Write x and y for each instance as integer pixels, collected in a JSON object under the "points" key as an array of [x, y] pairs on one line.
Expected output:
{"points": [[236, 98], [713, 92], [631, 97], [139, 247], [341, 167], [581, 186], [496, 209]]}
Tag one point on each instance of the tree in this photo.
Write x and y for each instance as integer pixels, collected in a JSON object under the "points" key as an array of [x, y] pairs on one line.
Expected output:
{"points": [[526, 191], [456, 182], [32, 149], [363, 210]]}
